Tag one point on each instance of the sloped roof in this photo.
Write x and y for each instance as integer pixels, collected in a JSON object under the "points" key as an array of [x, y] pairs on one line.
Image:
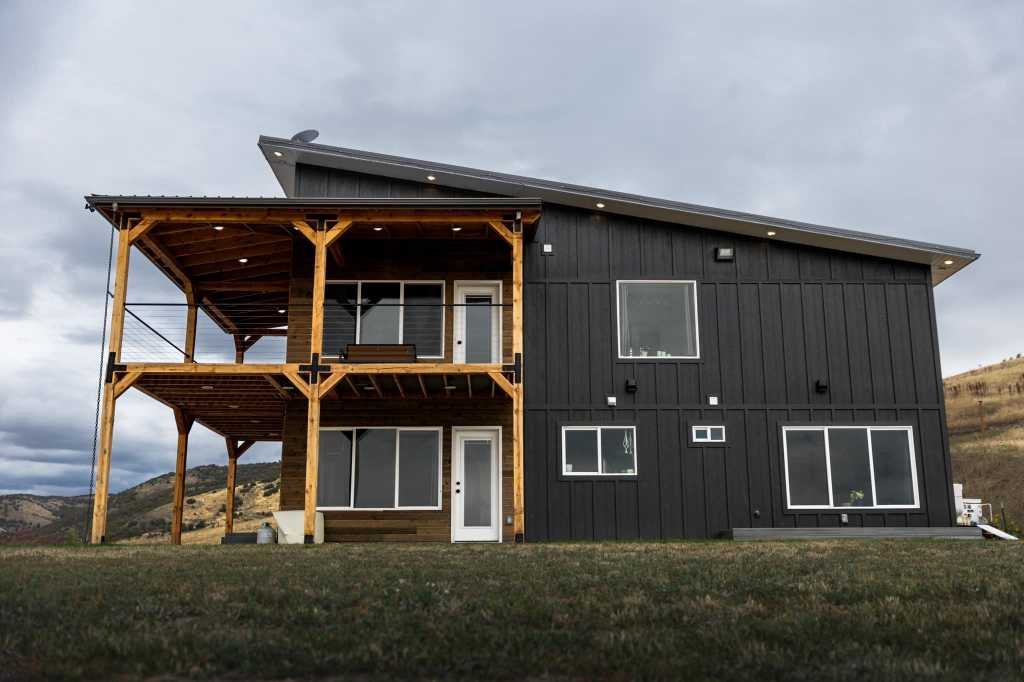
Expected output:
{"points": [[282, 155]]}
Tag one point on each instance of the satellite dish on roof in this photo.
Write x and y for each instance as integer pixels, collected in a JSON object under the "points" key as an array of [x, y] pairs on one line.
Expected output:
{"points": [[306, 136]]}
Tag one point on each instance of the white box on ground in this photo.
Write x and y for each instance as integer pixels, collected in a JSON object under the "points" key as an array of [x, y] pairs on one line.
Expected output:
{"points": [[289, 527]]}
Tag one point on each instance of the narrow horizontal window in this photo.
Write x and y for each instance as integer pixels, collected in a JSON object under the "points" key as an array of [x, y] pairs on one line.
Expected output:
{"points": [[708, 434], [599, 450], [838, 467], [657, 319], [409, 313], [379, 468]]}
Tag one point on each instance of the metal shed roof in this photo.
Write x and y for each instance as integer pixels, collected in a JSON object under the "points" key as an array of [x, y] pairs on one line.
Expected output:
{"points": [[283, 155]]}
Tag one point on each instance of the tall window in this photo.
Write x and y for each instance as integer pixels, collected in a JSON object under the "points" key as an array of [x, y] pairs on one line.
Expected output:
{"points": [[850, 466], [657, 319], [598, 450], [384, 312], [381, 468]]}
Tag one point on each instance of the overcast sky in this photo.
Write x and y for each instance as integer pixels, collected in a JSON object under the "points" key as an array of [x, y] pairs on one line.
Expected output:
{"points": [[903, 118]]}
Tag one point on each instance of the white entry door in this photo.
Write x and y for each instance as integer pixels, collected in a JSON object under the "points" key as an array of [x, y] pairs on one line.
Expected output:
{"points": [[477, 322], [476, 485]]}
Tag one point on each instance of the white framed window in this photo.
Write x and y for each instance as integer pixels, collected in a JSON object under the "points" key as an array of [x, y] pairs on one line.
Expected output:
{"points": [[379, 468], [657, 319], [599, 450], [708, 434], [384, 311], [841, 467]]}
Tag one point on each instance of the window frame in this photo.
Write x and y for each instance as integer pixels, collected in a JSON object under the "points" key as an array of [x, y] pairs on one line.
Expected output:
{"points": [[401, 315], [398, 441], [825, 428], [709, 439], [618, 319], [597, 428]]}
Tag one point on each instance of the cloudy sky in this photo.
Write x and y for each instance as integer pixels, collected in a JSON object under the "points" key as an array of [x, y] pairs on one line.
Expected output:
{"points": [[903, 118]]}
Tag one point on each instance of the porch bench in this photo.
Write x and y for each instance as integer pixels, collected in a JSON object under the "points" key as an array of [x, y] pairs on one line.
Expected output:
{"points": [[380, 352]]}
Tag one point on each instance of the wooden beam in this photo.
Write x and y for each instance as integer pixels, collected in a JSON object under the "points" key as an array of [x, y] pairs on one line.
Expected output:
{"points": [[316, 340], [328, 384], [276, 285], [305, 230], [518, 446], [340, 228], [398, 385], [502, 231], [140, 229], [184, 423], [504, 384], [106, 440], [415, 368], [469, 385], [125, 382], [243, 447], [351, 384], [229, 504], [312, 466], [277, 386], [423, 386], [284, 216], [191, 316], [298, 382], [210, 368], [376, 385]]}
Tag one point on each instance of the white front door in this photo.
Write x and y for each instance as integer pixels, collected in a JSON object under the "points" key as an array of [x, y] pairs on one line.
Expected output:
{"points": [[476, 485], [477, 322]]}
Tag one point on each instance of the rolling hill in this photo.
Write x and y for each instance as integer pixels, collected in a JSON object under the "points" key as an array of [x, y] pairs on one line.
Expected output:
{"points": [[985, 414]]}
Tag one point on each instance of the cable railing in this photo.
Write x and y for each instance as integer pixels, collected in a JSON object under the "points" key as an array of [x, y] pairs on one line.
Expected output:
{"points": [[364, 331]]}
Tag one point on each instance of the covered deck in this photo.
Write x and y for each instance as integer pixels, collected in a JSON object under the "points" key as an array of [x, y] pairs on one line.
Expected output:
{"points": [[233, 260]]}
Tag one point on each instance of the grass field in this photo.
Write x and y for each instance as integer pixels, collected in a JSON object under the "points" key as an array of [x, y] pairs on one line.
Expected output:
{"points": [[846, 610]]}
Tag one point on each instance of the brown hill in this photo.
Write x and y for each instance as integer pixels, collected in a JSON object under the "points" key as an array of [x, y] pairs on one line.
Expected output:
{"points": [[144, 510], [985, 413]]}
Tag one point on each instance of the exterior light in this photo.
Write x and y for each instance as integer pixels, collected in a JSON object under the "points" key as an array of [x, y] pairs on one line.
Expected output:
{"points": [[378, 229], [281, 311], [599, 205], [456, 229], [431, 178], [218, 227], [278, 154], [771, 233], [207, 387], [243, 260], [948, 261], [233, 407]]}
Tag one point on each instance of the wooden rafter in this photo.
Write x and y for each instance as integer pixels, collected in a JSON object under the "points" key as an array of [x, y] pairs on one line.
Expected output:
{"points": [[423, 386], [502, 231], [504, 384], [328, 384]]}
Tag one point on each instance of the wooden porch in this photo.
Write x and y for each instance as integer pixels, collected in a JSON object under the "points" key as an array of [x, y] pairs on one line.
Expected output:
{"points": [[226, 257]]}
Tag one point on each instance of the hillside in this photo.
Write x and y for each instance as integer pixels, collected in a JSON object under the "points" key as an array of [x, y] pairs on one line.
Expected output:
{"points": [[985, 413], [143, 512]]}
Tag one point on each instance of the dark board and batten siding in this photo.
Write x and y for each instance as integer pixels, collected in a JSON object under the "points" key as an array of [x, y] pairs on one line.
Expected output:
{"points": [[772, 322]]}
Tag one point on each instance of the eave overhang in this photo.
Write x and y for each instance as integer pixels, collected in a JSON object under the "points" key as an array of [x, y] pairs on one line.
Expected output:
{"points": [[283, 155]]}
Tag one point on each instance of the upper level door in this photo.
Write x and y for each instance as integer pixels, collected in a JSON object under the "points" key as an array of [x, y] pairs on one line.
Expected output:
{"points": [[477, 322]]}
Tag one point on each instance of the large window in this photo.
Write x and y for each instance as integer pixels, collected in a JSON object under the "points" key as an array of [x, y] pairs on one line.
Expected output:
{"points": [[379, 468], [657, 319], [850, 466], [599, 450], [384, 312]]}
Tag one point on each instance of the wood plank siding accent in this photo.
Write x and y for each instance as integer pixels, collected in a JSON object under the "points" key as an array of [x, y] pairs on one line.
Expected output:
{"points": [[772, 322]]}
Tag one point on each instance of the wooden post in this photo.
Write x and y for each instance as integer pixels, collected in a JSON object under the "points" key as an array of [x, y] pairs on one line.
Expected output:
{"points": [[518, 517], [190, 325], [99, 507], [184, 423], [313, 402], [229, 504]]}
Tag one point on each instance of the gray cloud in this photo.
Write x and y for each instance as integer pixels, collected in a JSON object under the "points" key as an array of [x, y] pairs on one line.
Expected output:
{"points": [[898, 118]]}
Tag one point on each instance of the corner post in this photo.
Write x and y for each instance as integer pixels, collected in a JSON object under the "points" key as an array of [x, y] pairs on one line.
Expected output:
{"points": [[229, 503], [518, 517], [190, 324], [99, 507], [313, 404], [184, 424]]}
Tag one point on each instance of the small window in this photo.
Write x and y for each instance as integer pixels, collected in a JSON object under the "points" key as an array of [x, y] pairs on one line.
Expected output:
{"points": [[657, 319], [837, 467], [708, 434], [384, 313], [599, 450]]}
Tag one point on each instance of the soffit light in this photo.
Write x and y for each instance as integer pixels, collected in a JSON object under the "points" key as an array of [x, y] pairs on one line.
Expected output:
{"points": [[281, 311], [456, 229], [207, 388], [233, 407], [431, 178], [218, 227], [278, 154], [948, 261], [599, 205], [378, 229], [243, 260], [771, 233]]}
